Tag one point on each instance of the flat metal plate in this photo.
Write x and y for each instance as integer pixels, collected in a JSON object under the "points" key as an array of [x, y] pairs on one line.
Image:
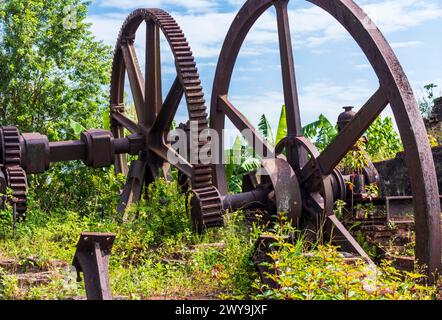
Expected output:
{"points": [[400, 207], [87, 243]]}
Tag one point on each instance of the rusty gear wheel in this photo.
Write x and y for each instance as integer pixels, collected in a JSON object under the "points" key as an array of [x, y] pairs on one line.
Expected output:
{"points": [[17, 181], [316, 171], [10, 140], [155, 116], [206, 208], [16, 178]]}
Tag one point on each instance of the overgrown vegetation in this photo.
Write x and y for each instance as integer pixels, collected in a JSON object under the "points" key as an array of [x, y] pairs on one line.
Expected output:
{"points": [[382, 142], [53, 71], [157, 254], [426, 103], [53, 81], [324, 274]]}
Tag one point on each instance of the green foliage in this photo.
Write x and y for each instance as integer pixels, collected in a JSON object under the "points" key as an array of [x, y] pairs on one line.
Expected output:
{"points": [[339, 208], [383, 140], [53, 78], [323, 274], [78, 188], [76, 127], [154, 255], [372, 190], [50, 73], [265, 129], [433, 141], [242, 160], [158, 256], [355, 160], [163, 198], [426, 103], [321, 132], [282, 126]]}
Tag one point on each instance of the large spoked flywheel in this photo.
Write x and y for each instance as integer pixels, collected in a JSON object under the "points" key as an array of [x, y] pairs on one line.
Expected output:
{"points": [[314, 171], [154, 117]]}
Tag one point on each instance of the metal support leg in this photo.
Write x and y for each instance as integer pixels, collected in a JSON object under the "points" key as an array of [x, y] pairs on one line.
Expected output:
{"points": [[92, 258], [134, 186]]}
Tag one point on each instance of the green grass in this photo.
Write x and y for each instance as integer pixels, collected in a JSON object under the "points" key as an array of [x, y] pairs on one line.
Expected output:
{"points": [[157, 255]]}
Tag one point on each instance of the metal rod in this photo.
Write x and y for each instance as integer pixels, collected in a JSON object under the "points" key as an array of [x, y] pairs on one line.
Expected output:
{"points": [[296, 156], [255, 199], [62, 151], [67, 151]]}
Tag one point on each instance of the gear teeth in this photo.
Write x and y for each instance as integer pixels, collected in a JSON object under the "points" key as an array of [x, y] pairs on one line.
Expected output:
{"points": [[17, 181], [15, 175], [11, 146], [210, 213], [207, 208], [187, 71]]}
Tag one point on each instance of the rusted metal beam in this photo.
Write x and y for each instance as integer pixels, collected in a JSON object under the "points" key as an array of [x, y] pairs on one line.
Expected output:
{"points": [[153, 83], [92, 259]]}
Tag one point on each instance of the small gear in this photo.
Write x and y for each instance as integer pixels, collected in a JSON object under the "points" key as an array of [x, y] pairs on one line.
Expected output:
{"points": [[17, 181], [16, 178], [207, 208], [10, 139]]}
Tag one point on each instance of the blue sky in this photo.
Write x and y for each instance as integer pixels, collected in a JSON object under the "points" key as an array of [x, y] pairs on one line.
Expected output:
{"points": [[331, 70]]}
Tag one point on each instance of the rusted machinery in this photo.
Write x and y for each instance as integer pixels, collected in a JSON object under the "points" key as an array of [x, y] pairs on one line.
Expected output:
{"points": [[314, 182], [298, 179], [92, 259]]}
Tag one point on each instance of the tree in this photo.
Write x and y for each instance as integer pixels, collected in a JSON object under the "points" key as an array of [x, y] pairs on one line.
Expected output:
{"points": [[54, 77], [426, 103], [52, 69], [321, 132]]}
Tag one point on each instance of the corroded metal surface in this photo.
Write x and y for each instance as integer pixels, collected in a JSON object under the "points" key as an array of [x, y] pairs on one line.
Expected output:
{"points": [[92, 259], [154, 117], [288, 196], [394, 90], [13, 173], [302, 181], [33, 153]]}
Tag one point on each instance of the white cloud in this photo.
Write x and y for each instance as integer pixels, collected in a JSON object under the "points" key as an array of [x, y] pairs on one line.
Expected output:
{"points": [[324, 97], [394, 16], [193, 5], [362, 66], [316, 27], [328, 98], [406, 44], [311, 27], [205, 32], [105, 27]]}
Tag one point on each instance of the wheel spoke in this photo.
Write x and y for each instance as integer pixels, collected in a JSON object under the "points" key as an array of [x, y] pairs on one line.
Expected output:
{"points": [[345, 239], [165, 152], [347, 138], [295, 155], [136, 80], [127, 123], [323, 211], [254, 139], [337, 150], [167, 113], [134, 185], [153, 86]]}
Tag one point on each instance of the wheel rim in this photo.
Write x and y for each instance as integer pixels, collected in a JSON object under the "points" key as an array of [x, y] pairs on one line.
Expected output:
{"points": [[155, 116], [394, 89]]}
